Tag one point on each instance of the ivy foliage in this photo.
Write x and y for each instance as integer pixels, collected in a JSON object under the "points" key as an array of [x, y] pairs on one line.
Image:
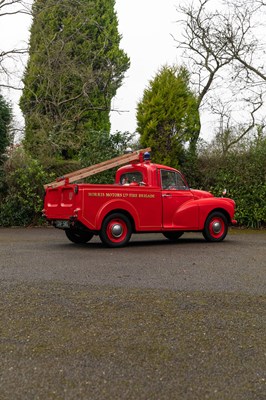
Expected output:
{"points": [[74, 70], [167, 115]]}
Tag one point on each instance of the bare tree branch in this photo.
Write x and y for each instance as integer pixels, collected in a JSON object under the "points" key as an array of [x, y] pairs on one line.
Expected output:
{"points": [[13, 7], [201, 45], [10, 59], [224, 48]]}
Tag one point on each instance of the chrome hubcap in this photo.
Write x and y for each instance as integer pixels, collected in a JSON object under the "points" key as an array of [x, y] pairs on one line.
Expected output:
{"points": [[216, 227], [117, 230]]}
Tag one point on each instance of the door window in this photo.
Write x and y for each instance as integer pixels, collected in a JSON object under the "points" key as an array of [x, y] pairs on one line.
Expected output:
{"points": [[171, 180]]}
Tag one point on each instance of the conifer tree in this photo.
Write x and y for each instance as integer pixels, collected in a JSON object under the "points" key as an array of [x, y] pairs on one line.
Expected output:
{"points": [[74, 70], [167, 115]]}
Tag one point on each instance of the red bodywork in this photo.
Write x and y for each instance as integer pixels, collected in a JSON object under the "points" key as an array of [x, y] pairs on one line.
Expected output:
{"points": [[141, 192]]}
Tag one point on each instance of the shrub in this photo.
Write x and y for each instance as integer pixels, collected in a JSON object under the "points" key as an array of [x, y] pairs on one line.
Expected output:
{"points": [[244, 176], [22, 200]]}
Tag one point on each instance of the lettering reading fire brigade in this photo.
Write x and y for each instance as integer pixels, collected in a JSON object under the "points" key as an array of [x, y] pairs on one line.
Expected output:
{"points": [[122, 195]]}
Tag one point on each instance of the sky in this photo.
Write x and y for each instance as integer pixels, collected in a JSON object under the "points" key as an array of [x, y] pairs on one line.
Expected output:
{"points": [[146, 27]]}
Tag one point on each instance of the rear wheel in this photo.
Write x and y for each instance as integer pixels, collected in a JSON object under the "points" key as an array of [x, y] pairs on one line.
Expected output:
{"points": [[173, 236], [116, 230], [76, 236], [216, 227]]}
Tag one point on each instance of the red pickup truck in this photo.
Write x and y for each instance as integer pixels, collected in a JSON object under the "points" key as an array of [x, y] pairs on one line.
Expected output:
{"points": [[145, 197]]}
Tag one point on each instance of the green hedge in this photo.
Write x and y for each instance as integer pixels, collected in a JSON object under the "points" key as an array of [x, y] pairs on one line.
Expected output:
{"points": [[21, 196], [244, 177]]}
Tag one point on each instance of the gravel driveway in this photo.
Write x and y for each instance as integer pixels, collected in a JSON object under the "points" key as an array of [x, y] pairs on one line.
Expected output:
{"points": [[153, 320]]}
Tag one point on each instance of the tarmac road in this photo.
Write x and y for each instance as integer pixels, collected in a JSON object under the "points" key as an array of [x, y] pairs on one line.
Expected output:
{"points": [[153, 320], [149, 261]]}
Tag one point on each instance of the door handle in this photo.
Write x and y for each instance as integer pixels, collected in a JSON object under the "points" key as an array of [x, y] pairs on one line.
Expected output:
{"points": [[166, 195]]}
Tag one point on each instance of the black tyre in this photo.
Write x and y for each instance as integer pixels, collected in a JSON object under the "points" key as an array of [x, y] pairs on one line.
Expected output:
{"points": [[216, 227], [76, 236], [116, 230], [173, 236]]}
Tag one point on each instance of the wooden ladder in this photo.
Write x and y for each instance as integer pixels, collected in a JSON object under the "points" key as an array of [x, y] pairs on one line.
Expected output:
{"points": [[96, 168]]}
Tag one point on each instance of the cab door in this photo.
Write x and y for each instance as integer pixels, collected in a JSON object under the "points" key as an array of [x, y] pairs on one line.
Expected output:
{"points": [[175, 193]]}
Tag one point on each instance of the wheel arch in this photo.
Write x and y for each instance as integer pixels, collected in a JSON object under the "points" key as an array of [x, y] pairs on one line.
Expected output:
{"points": [[120, 206], [124, 212], [217, 209], [221, 210]]}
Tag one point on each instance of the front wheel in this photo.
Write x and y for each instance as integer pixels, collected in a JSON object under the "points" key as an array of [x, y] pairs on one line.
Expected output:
{"points": [[76, 236], [173, 236], [216, 227], [116, 230]]}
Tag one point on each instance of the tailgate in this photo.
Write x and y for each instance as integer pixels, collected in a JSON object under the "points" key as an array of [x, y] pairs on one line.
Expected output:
{"points": [[60, 202]]}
